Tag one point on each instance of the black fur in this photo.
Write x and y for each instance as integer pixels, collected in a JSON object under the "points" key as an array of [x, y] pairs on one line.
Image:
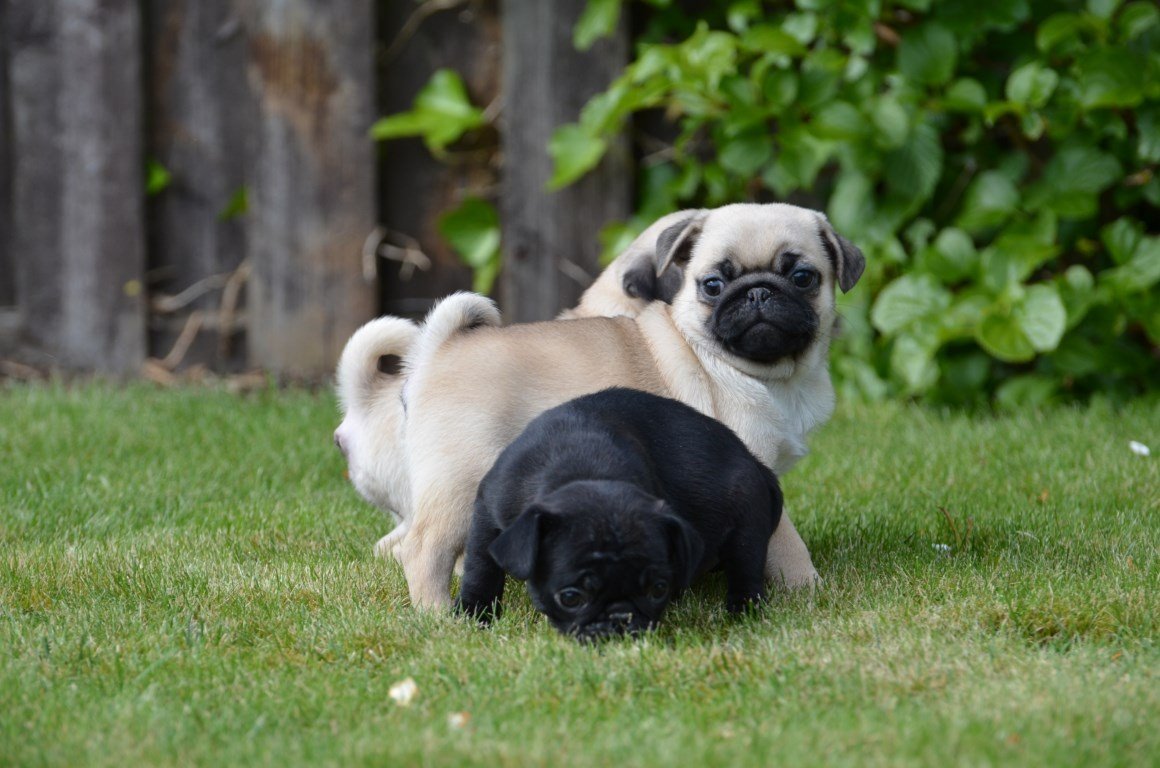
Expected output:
{"points": [[763, 316], [643, 283], [615, 495]]}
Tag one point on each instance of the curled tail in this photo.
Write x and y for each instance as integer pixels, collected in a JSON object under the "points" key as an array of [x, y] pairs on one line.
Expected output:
{"points": [[374, 351], [458, 312]]}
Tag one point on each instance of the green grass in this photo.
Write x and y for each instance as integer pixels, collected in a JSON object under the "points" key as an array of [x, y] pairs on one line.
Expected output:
{"points": [[186, 579]]}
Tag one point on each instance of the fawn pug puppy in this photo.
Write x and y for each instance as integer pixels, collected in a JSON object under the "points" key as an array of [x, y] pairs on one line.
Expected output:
{"points": [[369, 376], [609, 505], [745, 340]]}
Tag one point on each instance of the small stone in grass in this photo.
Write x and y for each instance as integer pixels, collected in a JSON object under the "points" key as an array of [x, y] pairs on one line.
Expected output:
{"points": [[1139, 448], [458, 720], [404, 691]]}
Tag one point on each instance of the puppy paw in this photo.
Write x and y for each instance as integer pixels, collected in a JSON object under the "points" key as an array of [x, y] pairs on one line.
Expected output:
{"points": [[742, 603], [483, 613], [804, 578], [388, 546]]}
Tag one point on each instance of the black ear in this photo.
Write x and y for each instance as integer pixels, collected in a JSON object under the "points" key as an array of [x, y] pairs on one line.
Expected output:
{"points": [[675, 244], [515, 549], [687, 547], [848, 261]]}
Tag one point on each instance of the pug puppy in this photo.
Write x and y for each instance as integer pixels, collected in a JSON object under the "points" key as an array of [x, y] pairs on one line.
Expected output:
{"points": [[745, 341], [609, 505], [369, 376]]}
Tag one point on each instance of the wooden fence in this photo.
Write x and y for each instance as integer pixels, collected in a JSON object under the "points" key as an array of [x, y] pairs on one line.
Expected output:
{"points": [[270, 226]]}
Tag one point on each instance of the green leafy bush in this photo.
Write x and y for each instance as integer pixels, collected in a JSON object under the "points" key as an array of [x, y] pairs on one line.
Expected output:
{"points": [[996, 159]]}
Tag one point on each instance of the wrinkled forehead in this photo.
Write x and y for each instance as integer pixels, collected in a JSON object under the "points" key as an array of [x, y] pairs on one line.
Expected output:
{"points": [[760, 232]]}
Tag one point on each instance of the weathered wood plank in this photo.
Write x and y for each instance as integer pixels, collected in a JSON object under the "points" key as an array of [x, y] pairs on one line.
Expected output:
{"points": [[7, 265], [312, 180], [550, 238], [197, 106], [415, 188], [77, 195]]}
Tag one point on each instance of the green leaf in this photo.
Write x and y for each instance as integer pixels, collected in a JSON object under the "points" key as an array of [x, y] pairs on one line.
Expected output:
{"points": [[781, 88], [803, 27], [1122, 237], [746, 154], [1058, 29], [906, 300], [927, 54], [838, 120], [1041, 316], [1032, 84], [951, 257], [1111, 77], [1034, 323], [891, 122], [1001, 336], [598, 20], [771, 39], [1137, 18], [989, 201], [1073, 179], [1148, 126], [1139, 274], [1103, 9], [473, 231], [912, 358], [1017, 252], [1076, 290], [440, 115], [574, 152], [914, 169], [965, 95], [157, 178], [237, 206]]}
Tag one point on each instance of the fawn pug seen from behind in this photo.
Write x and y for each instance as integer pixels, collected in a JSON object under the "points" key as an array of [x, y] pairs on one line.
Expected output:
{"points": [[370, 374], [609, 505], [745, 340]]}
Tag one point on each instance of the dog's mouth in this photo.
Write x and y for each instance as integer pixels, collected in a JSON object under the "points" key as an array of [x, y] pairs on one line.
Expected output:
{"points": [[600, 631], [764, 324]]}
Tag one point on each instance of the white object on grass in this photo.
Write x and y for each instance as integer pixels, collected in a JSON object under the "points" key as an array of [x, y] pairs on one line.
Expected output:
{"points": [[403, 691], [1139, 448]]}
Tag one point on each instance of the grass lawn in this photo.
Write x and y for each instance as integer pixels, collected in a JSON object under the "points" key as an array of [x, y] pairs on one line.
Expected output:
{"points": [[187, 579]]}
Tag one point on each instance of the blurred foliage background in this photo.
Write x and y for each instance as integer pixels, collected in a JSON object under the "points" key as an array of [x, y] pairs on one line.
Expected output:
{"points": [[995, 159]]}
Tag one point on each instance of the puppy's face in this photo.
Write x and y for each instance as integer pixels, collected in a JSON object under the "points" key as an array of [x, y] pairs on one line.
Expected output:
{"points": [[759, 284], [601, 559]]}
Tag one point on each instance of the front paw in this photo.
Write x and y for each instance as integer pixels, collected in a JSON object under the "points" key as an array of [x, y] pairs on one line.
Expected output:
{"points": [[740, 602], [484, 613], [800, 578]]}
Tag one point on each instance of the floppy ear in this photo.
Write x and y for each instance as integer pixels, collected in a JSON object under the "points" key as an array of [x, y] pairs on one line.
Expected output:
{"points": [[515, 549], [675, 244], [687, 548], [848, 261]]}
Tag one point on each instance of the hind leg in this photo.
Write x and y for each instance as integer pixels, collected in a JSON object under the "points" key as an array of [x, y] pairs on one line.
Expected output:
{"points": [[435, 538]]}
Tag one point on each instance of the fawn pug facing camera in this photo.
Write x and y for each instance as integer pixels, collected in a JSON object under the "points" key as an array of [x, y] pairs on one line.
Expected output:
{"points": [[745, 340], [609, 505]]}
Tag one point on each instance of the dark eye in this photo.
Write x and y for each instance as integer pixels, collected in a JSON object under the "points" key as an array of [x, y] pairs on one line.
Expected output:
{"points": [[659, 590], [712, 286], [804, 278], [571, 598]]}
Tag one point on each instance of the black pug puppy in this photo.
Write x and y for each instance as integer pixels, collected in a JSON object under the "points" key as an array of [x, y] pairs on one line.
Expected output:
{"points": [[609, 505]]}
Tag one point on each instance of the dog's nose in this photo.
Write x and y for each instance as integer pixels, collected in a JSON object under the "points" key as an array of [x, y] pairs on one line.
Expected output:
{"points": [[758, 294]]}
